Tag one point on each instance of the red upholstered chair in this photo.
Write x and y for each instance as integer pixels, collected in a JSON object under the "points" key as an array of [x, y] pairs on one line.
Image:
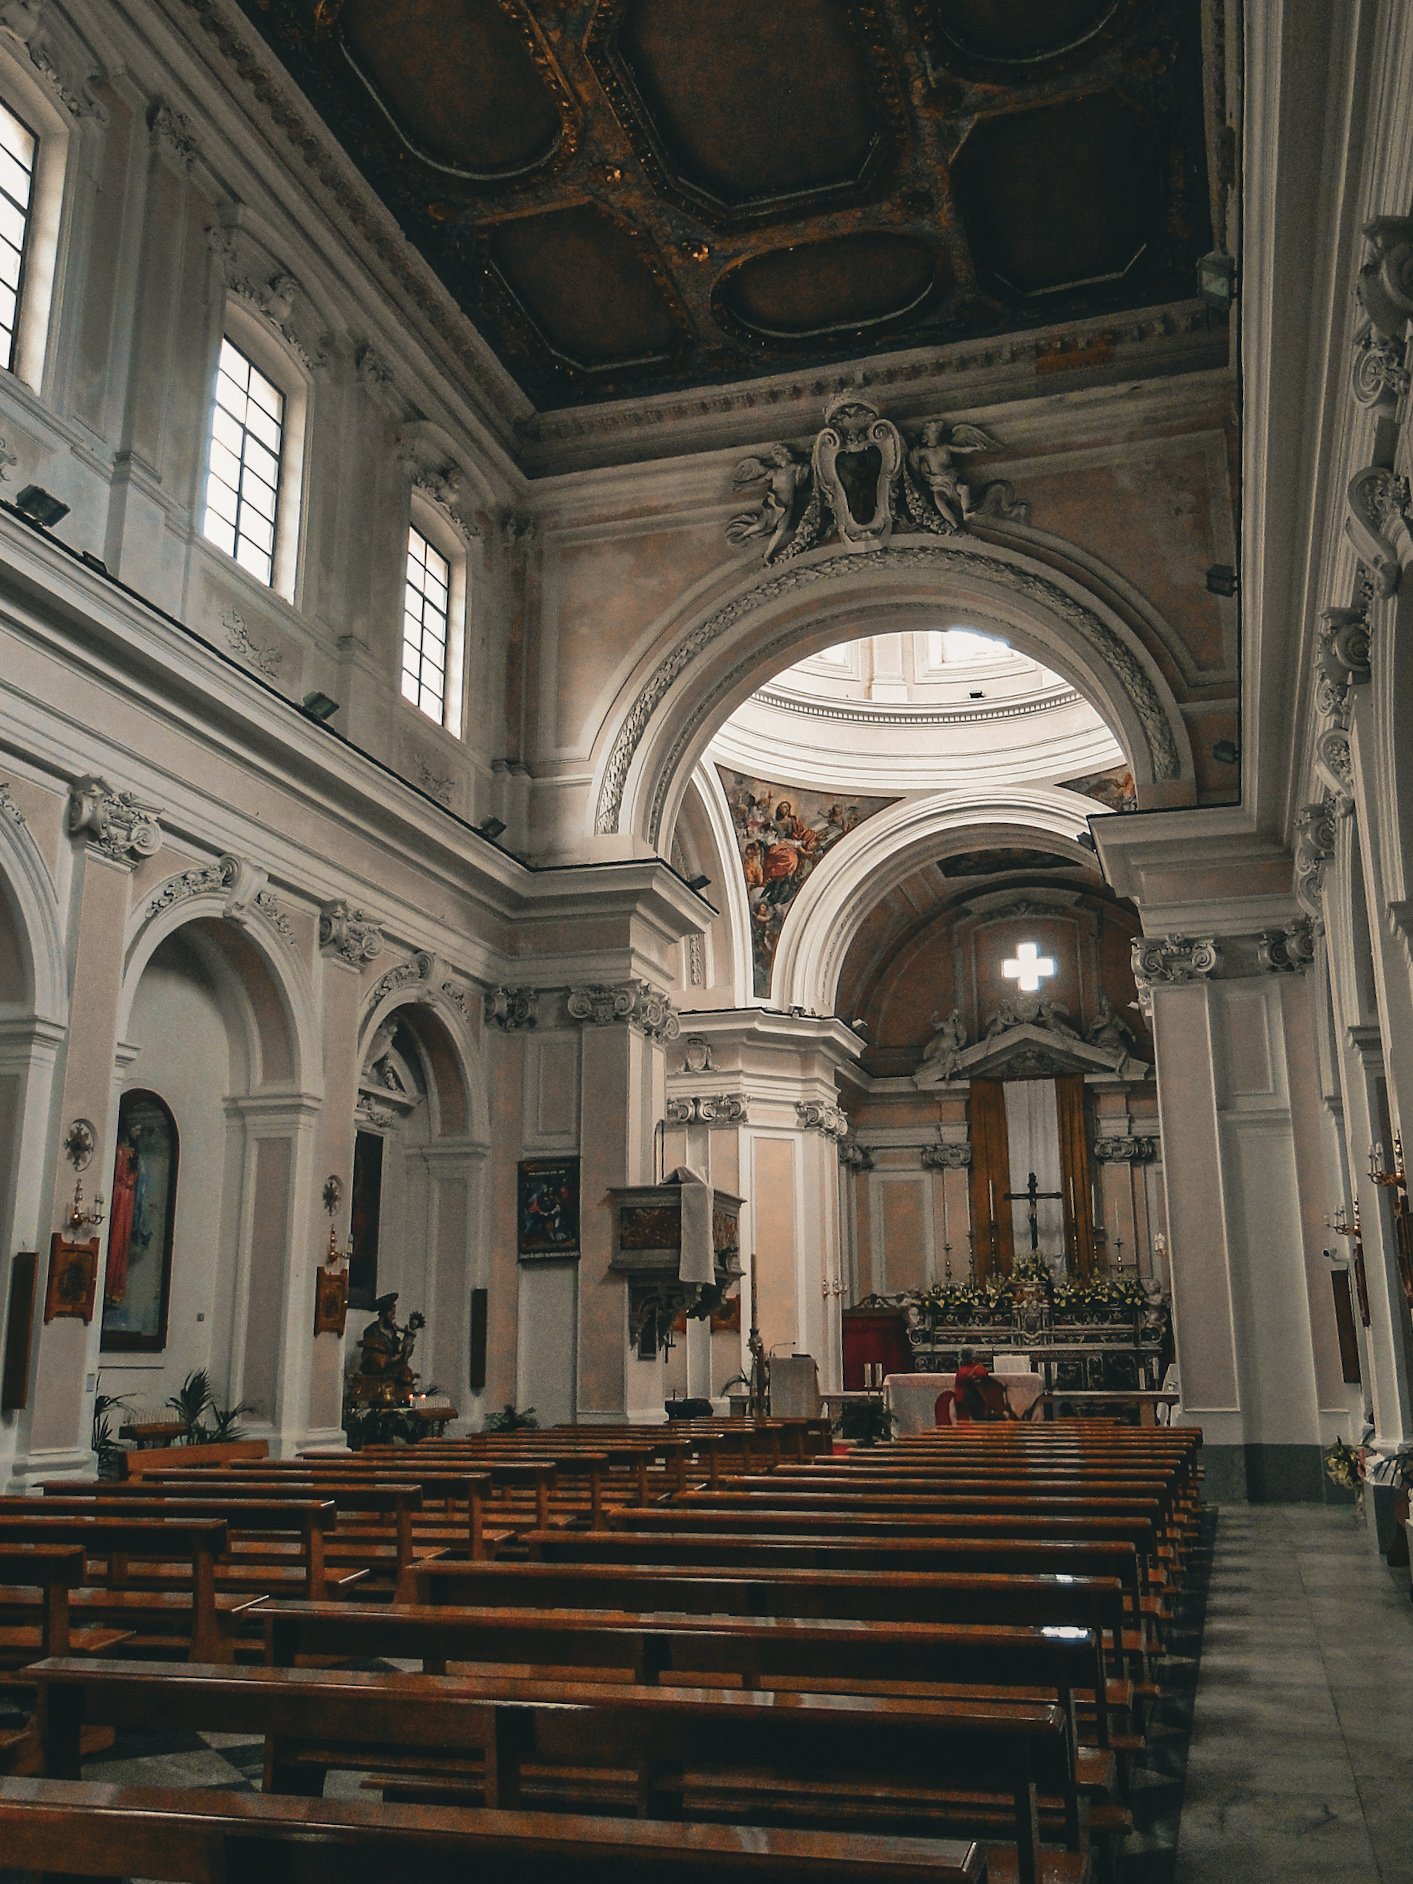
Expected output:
{"points": [[942, 1412]]}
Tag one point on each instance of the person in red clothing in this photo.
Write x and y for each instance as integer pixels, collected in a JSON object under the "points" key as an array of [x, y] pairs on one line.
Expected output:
{"points": [[970, 1401]]}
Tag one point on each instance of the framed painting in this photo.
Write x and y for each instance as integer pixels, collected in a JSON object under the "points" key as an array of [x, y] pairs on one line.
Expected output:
{"points": [[547, 1207], [73, 1279], [137, 1282], [330, 1300]]}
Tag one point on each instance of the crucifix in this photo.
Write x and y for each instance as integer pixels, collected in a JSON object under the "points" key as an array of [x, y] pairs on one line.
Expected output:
{"points": [[1031, 1195]]}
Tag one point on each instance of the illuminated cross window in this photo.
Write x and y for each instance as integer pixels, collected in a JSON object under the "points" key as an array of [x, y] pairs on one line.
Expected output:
{"points": [[1029, 968]]}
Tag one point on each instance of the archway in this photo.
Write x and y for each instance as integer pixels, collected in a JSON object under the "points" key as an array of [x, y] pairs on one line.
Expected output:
{"points": [[706, 663]]}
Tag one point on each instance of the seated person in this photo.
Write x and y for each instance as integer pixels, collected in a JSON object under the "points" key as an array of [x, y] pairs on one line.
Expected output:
{"points": [[971, 1399]]}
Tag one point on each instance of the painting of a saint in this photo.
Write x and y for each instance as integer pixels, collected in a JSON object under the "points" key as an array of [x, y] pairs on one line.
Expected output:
{"points": [[782, 835], [548, 1207], [137, 1276]]}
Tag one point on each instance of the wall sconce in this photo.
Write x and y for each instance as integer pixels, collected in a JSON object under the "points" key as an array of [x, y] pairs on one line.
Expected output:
{"points": [[80, 1219]]}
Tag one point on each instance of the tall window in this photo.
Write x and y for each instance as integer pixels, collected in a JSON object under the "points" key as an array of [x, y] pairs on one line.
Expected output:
{"points": [[243, 478], [18, 146], [426, 619]]}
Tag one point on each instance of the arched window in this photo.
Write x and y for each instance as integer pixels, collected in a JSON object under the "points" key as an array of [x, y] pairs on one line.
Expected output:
{"points": [[137, 1281]]}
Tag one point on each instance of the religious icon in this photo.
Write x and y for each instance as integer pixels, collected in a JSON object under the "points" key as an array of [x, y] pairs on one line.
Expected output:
{"points": [[138, 1274], [330, 1300], [548, 1207], [73, 1279]]}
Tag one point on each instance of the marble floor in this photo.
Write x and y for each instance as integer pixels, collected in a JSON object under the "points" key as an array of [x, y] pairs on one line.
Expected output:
{"points": [[1300, 1760]]}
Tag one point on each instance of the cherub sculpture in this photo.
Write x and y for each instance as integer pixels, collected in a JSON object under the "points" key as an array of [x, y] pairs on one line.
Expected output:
{"points": [[784, 476], [934, 463]]}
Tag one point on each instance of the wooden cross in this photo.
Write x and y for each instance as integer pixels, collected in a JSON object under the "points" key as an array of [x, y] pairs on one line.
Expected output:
{"points": [[1031, 1195]]}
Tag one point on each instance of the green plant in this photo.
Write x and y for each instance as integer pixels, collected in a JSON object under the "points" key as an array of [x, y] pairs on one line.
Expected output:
{"points": [[193, 1400], [509, 1421], [1342, 1466], [380, 1426], [104, 1444]]}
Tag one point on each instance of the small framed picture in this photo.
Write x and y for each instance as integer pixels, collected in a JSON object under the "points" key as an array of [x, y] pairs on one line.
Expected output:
{"points": [[73, 1279], [330, 1300], [547, 1207]]}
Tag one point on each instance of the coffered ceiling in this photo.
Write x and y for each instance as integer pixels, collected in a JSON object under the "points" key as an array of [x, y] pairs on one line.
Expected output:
{"points": [[636, 196]]}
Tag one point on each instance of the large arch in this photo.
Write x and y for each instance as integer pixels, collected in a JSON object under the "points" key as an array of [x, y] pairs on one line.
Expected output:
{"points": [[715, 655], [865, 865]]}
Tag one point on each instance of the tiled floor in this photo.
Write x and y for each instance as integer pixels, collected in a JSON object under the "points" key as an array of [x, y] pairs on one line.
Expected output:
{"points": [[1301, 1758]]}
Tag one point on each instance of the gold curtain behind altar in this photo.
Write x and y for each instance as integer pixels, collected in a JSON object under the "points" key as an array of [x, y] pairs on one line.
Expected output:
{"points": [[994, 1247], [1076, 1189]]}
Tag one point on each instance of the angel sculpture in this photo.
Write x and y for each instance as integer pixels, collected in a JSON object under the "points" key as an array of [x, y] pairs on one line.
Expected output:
{"points": [[949, 1037], [784, 477], [934, 463]]}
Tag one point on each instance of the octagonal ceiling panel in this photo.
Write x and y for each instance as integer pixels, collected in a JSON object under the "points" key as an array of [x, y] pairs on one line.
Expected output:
{"points": [[457, 80], [745, 112], [1060, 198], [636, 196], [588, 286]]}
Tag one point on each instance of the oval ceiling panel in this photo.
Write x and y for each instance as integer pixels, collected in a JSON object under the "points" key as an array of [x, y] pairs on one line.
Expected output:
{"points": [[457, 81], [751, 103], [1021, 32], [583, 280], [836, 286]]}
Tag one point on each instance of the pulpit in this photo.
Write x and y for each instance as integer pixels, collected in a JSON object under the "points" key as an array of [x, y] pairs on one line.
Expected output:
{"points": [[652, 1250]]}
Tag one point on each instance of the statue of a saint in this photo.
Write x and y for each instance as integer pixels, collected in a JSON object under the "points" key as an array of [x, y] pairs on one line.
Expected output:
{"points": [[387, 1350], [949, 1037]]}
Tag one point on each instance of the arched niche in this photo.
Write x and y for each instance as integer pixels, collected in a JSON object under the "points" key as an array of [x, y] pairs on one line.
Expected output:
{"points": [[708, 661], [421, 1122]]}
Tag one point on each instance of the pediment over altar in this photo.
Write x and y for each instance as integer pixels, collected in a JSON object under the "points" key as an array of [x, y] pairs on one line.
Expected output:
{"points": [[1029, 1050]]}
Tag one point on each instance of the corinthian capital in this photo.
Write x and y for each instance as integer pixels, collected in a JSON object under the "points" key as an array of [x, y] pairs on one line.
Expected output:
{"points": [[1164, 961], [349, 933]]}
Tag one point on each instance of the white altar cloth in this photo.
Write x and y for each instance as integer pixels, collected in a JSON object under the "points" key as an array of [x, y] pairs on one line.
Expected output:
{"points": [[913, 1397]]}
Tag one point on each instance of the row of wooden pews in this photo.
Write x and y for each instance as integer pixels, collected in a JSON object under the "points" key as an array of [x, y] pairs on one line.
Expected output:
{"points": [[719, 1648]]}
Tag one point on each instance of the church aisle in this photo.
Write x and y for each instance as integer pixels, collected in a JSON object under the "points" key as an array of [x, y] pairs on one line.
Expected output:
{"points": [[1298, 1764]]}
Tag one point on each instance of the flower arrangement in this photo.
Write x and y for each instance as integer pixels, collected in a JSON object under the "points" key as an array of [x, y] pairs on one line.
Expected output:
{"points": [[1100, 1298], [1343, 1466]]}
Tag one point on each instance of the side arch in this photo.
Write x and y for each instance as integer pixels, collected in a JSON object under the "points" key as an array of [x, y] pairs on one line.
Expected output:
{"points": [[28, 888], [449, 1046], [716, 657], [871, 860]]}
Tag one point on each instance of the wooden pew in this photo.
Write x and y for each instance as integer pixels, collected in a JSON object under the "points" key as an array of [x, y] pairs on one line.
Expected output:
{"points": [[440, 1485], [155, 1458], [196, 1615], [199, 1836], [34, 1627], [836, 1761], [772, 1652]]}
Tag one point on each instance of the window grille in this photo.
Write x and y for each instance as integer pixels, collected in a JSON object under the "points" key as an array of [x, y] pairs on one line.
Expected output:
{"points": [[426, 616], [18, 146], [243, 476]]}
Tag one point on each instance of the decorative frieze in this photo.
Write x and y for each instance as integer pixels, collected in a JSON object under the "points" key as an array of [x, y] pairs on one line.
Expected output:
{"points": [[351, 934], [947, 1155], [1287, 951], [116, 823], [205, 880], [1165, 961], [631, 1003], [721, 1108], [457, 996], [172, 134], [1125, 1150], [238, 639], [817, 1115], [511, 1008], [9, 809]]}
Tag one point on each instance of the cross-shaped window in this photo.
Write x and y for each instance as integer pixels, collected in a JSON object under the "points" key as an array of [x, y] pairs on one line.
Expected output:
{"points": [[1029, 968]]}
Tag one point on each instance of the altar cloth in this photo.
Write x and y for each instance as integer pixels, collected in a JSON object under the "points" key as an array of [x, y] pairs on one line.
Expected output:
{"points": [[913, 1397]]}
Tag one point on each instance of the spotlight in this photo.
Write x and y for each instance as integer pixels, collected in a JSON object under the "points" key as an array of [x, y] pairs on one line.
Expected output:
{"points": [[491, 828], [1225, 753], [319, 707], [41, 506], [698, 884], [1221, 579], [1087, 841]]}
